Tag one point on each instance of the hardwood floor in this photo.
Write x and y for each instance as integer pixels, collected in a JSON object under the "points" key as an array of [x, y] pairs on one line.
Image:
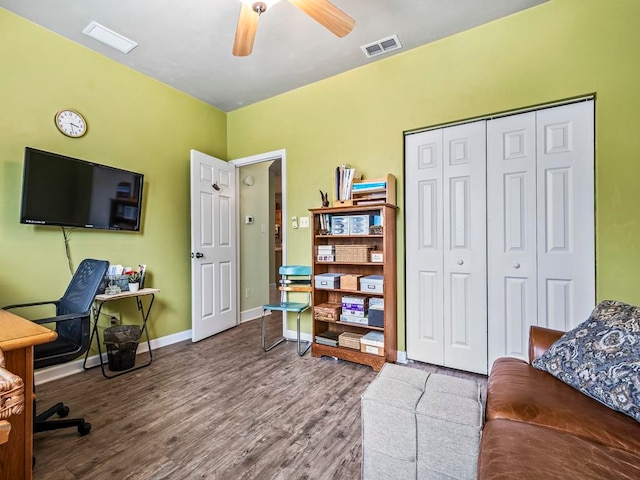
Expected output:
{"points": [[217, 409]]}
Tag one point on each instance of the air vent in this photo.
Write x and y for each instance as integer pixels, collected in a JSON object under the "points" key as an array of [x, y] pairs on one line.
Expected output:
{"points": [[381, 46], [109, 37]]}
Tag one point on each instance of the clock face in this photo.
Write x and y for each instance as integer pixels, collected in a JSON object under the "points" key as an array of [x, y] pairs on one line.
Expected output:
{"points": [[248, 180], [71, 123]]}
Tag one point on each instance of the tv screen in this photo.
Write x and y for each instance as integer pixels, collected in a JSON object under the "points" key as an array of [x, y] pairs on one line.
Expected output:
{"points": [[65, 191]]}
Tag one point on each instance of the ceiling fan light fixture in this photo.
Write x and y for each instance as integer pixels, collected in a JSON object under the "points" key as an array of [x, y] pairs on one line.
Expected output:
{"points": [[260, 6], [322, 11]]}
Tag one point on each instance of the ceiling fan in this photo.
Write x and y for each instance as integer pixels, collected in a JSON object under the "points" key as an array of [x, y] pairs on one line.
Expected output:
{"points": [[321, 11]]}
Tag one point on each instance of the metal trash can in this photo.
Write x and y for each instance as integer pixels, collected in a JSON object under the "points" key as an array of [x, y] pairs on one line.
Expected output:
{"points": [[122, 342]]}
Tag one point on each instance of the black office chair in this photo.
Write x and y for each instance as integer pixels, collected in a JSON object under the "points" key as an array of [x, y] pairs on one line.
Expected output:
{"points": [[73, 326]]}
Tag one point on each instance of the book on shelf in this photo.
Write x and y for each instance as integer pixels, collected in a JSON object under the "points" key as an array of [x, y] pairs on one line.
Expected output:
{"points": [[325, 222], [343, 180], [328, 337]]}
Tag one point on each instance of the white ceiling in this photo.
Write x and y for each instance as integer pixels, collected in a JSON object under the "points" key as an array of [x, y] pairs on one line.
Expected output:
{"points": [[187, 43]]}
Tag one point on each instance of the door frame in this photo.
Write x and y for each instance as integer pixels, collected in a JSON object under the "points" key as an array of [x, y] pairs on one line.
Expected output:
{"points": [[259, 158]]}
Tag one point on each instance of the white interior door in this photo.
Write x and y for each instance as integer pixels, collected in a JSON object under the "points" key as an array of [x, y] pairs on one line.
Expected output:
{"points": [[446, 247], [511, 234], [566, 218], [214, 299], [488, 256], [425, 246], [465, 247], [541, 228]]}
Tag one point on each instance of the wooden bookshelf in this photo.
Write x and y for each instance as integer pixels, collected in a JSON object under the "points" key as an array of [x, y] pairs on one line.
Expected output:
{"points": [[385, 243]]}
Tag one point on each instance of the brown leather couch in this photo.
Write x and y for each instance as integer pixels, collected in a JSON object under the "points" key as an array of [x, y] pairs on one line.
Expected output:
{"points": [[539, 427]]}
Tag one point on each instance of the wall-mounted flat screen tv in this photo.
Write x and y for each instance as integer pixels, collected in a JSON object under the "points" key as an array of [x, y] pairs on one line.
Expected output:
{"points": [[69, 192]]}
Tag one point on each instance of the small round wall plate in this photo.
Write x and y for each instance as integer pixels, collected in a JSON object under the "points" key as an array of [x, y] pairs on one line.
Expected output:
{"points": [[248, 180], [71, 123]]}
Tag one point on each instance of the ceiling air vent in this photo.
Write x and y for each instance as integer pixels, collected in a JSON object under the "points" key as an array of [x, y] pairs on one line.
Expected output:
{"points": [[109, 37], [381, 46]]}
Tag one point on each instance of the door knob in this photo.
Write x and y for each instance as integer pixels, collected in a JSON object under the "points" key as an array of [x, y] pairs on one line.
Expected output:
{"points": [[460, 262], [516, 265], [199, 255]]}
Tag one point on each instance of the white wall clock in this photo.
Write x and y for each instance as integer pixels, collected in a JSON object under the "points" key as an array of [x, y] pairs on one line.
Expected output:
{"points": [[248, 180], [71, 123]]}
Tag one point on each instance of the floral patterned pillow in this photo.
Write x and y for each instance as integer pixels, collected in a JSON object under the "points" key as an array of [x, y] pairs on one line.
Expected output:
{"points": [[601, 357]]}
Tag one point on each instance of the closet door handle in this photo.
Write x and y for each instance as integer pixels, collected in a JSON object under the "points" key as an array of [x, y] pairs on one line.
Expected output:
{"points": [[460, 262], [516, 265]]}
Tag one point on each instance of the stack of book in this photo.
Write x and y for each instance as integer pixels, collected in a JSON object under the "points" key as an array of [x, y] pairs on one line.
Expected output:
{"points": [[325, 223], [328, 337], [342, 183]]}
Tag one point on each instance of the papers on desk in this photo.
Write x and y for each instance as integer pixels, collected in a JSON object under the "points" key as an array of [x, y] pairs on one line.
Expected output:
{"points": [[117, 279]]}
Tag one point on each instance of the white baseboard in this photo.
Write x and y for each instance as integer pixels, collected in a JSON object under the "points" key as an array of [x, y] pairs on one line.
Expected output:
{"points": [[402, 357], [252, 314], [292, 335], [60, 371]]}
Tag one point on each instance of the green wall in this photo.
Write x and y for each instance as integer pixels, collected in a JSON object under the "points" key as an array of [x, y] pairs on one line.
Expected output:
{"points": [[254, 243], [555, 51], [134, 123], [558, 50]]}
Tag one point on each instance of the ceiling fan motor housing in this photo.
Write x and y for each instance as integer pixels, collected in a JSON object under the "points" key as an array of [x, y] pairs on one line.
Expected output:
{"points": [[259, 7]]}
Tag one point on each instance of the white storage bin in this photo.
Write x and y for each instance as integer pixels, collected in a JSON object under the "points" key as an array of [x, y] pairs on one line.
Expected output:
{"points": [[328, 280], [372, 283]]}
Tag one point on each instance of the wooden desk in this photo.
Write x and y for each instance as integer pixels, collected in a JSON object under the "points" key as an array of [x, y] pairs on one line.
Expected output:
{"points": [[17, 338]]}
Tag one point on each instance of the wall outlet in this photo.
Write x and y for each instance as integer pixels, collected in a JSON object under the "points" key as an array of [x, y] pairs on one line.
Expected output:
{"points": [[247, 292], [294, 222], [114, 318], [304, 222]]}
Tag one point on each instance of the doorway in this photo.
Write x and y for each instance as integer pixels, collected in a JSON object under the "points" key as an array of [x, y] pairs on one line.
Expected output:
{"points": [[261, 232]]}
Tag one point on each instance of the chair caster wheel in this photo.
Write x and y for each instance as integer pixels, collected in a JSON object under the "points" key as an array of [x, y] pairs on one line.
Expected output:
{"points": [[63, 411], [84, 429]]}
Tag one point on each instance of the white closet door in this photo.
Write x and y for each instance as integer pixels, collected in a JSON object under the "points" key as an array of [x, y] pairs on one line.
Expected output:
{"points": [[465, 268], [424, 246], [511, 234], [566, 250]]}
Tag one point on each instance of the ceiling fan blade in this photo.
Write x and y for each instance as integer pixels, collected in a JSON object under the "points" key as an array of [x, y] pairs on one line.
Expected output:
{"points": [[327, 14], [245, 31]]}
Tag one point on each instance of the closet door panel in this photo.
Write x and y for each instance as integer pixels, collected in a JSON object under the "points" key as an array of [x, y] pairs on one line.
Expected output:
{"points": [[424, 241], [465, 295], [511, 235], [565, 220]]}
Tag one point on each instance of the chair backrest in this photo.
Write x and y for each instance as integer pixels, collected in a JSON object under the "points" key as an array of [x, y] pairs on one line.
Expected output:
{"points": [[295, 270], [83, 287], [294, 278], [73, 335]]}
